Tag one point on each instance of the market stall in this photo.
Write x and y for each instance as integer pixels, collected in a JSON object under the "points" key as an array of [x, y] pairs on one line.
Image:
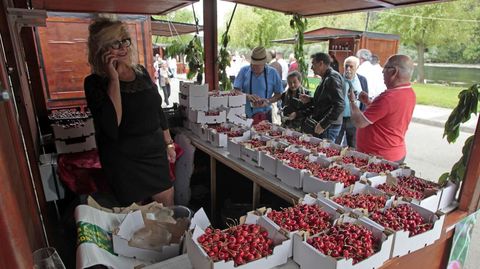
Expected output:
{"points": [[24, 206]]}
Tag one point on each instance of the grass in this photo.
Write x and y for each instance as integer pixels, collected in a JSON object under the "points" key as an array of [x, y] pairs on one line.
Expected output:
{"points": [[427, 94]]}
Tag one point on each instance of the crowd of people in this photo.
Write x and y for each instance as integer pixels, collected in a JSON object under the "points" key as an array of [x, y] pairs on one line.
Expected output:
{"points": [[371, 113], [367, 107]]}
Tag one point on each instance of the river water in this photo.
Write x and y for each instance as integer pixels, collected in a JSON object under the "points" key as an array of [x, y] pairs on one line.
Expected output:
{"points": [[454, 75]]}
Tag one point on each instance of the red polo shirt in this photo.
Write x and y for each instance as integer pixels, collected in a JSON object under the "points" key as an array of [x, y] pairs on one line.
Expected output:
{"points": [[389, 115]]}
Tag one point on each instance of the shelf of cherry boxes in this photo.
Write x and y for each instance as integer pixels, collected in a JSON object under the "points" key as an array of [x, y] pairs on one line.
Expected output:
{"points": [[73, 130], [213, 116], [316, 165]]}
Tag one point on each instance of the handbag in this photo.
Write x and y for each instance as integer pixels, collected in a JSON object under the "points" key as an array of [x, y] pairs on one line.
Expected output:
{"points": [[259, 117], [308, 125]]}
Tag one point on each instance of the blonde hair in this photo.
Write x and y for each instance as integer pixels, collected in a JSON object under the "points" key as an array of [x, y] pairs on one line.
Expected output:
{"points": [[102, 33]]}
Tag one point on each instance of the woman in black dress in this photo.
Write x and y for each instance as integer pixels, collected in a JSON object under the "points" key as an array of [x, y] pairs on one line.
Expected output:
{"points": [[132, 134]]}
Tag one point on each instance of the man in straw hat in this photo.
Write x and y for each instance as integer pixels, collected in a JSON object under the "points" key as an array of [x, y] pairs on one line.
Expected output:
{"points": [[262, 85]]}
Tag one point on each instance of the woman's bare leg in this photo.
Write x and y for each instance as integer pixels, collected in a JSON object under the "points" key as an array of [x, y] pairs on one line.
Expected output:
{"points": [[165, 197]]}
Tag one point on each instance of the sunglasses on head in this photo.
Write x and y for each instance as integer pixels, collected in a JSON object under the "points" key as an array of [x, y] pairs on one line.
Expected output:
{"points": [[121, 43]]}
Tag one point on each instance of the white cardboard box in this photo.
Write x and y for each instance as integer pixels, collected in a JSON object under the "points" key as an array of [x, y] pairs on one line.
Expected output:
{"points": [[448, 195], [217, 100], [430, 202], [252, 155], [289, 175], [63, 133], [221, 139], [312, 184], [193, 90], [79, 144], [239, 119], [193, 102], [202, 117], [239, 110], [237, 100], [269, 162], [310, 258], [134, 221], [358, 188], [404, 244], [234, 146], [200, 260]]}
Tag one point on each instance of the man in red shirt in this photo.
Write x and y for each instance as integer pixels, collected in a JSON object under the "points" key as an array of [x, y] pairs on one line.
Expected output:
{"points": [[381, 128]]}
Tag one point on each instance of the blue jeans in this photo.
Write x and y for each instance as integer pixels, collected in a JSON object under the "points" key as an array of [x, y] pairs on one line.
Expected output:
{"points": [[331, 132]]}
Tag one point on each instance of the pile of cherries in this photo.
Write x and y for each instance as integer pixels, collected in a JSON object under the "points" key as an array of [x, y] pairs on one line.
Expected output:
{"points": [[221, 129], [357, 162], [398, 190], [275, 133], [335, 173], [328, 151], [380, 167], [362, 200], [291, 139], [212, 113], [402, 217], [417, 184], [256, 143], [234, 133], [242, 244], [345, 240], [262, 127], [310, 218]]}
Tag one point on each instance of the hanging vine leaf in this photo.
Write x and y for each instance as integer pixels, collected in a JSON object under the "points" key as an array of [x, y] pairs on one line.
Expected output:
{"points": [[467, 104], [299, 24], [194, 56], [224, 58]]}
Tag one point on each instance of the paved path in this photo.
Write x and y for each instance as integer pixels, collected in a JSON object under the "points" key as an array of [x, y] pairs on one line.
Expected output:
{"points": [[437, 116]]}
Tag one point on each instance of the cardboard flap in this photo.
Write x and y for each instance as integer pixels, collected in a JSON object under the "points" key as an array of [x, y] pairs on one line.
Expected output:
{"points": [[130, 224], [200, 219]]}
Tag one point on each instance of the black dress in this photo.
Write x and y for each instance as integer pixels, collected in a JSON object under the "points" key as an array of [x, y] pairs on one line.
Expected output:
{"points": [[133, 154]]}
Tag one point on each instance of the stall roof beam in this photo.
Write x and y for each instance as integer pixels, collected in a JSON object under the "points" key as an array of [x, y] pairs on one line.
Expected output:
{"points": [[151, 7], [308, 8]]}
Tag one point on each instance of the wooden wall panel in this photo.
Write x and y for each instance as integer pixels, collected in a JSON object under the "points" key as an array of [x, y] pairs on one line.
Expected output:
{"points": [[64, 52]]}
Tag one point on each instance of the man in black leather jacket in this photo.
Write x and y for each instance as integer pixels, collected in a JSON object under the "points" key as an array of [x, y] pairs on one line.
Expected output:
{"points": [[326, 106]]}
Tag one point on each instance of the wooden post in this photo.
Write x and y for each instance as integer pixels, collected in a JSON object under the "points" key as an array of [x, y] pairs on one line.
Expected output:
{"points": [[210, 43]]}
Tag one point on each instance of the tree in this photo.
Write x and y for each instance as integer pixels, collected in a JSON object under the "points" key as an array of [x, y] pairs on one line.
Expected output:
{"points": [[253, 27], [437, 26]]}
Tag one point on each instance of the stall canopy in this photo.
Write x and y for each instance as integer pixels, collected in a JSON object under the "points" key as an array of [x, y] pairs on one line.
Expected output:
{"points": [[154, 7], [310, 8], [327, 33], [168, 28]]}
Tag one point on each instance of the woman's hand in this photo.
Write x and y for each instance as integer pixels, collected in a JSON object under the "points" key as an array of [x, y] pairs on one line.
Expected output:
{"points": [[305, 98], [171, 154], [110, 64]]}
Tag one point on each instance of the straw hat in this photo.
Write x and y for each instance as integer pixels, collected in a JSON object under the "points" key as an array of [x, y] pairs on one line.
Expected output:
{"points": [[258, 56]]}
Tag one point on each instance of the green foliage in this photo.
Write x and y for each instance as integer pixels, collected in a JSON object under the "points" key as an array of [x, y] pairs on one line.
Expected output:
{"points": [[195, 58], [175, 48], [299, 24], [253, 27], [467, 104], [223, 63]]}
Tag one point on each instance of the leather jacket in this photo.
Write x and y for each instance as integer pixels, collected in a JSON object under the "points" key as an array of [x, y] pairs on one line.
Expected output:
{"points": [[328, 101]]}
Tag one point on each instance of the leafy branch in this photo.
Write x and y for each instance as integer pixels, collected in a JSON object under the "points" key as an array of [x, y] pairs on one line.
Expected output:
{"points": [[194, 53], [299, 24], [467, 104], [224, 58]]}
